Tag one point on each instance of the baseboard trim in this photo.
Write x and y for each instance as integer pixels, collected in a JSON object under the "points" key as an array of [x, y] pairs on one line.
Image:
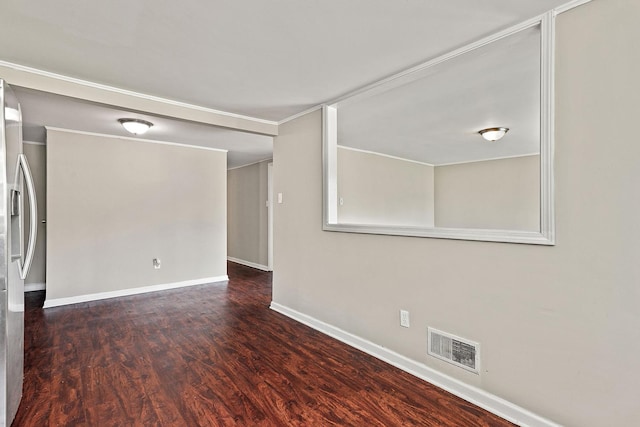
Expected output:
{"points": [[32, 287], [478, 397], [248, 263], [56, 302]]}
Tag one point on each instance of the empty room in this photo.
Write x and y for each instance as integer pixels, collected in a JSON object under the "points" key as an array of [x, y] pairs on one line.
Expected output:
{"points": [[287, 213]]}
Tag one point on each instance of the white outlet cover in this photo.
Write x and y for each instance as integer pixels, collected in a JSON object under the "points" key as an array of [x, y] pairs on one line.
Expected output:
{"points": [[404, 318]]}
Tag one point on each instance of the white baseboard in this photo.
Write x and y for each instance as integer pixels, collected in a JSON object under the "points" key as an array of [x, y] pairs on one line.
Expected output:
{"points": [[478, 397], [32, 287], [56, 302], [248, 263]]}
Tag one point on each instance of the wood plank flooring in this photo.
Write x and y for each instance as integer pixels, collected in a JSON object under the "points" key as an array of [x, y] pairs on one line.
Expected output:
{"points": [[212, 355]]}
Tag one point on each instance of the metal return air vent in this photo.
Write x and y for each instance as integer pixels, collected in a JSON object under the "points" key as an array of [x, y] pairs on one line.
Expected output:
{"points": [[455, 350]]}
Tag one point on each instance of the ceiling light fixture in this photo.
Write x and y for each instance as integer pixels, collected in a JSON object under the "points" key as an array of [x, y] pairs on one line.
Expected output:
{"points": [[135, 126], [493, 134]]}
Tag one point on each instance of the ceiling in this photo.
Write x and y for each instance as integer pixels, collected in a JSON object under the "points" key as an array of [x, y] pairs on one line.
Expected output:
{"points": [[413, 117], [40, 109], [267, 60]]}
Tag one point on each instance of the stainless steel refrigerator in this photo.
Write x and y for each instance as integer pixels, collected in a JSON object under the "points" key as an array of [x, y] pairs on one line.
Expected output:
{"points": [[16, 251]]}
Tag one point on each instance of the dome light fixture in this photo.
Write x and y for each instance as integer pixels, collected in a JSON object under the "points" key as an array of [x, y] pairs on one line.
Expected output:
{"points": [[493, 134], [135, 126]]}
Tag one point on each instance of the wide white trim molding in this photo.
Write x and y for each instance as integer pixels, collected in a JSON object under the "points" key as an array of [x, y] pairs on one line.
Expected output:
{"points": [[56, 302], [248, 263], [32, 287], [478, 397]]}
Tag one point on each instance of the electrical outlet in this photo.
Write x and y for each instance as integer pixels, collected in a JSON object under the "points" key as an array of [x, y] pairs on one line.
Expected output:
{"points": [[404, 318], [156, 263]]}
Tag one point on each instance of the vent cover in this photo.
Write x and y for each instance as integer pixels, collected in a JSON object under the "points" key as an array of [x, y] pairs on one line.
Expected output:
{"points": [[455, 350]]}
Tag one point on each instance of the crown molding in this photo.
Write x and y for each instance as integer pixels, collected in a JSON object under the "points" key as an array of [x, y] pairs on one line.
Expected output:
{"points": [[300, 114], [568, 6], [517, 156], [34, 78], [389, 156]]}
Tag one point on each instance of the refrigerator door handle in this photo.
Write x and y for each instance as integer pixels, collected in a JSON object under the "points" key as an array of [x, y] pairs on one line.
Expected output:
{"points": [[33, 216]]}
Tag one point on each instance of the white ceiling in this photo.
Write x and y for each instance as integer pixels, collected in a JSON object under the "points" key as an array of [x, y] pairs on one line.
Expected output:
{"points": [[433, 116], [40, 109], [263, 59]]}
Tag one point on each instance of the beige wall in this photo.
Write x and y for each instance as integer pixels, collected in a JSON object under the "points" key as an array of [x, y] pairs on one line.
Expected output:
{"points": [[114, 204], [498, 194], [559, 325], [247, 214], [37, 158], [381, 190]]}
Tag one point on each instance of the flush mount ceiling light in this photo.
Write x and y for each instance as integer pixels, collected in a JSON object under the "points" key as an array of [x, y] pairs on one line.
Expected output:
{"points": [[135, 126], [493, 134]]}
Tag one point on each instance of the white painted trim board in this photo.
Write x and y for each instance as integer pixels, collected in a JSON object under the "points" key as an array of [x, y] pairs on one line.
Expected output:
{"points": [[478, 397], [248, 263], [568, 6], [56, 302], [32, 287]]}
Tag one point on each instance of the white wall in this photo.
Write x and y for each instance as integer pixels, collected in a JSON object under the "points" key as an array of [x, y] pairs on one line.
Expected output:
{"points": [[114, 204], [559, 325], [499, 194], [247, 215], [381, 190], [37, 158]]}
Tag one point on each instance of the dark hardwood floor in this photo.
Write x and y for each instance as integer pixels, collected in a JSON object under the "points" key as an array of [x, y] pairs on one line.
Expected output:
{"points": [[212, 355]]}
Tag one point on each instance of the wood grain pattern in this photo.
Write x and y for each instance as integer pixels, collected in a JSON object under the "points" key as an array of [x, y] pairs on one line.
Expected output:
{"points": [[213, 355]]}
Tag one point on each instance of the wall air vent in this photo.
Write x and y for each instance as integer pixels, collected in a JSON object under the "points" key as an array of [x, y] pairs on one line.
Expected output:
{"points": [[455, 350]]}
